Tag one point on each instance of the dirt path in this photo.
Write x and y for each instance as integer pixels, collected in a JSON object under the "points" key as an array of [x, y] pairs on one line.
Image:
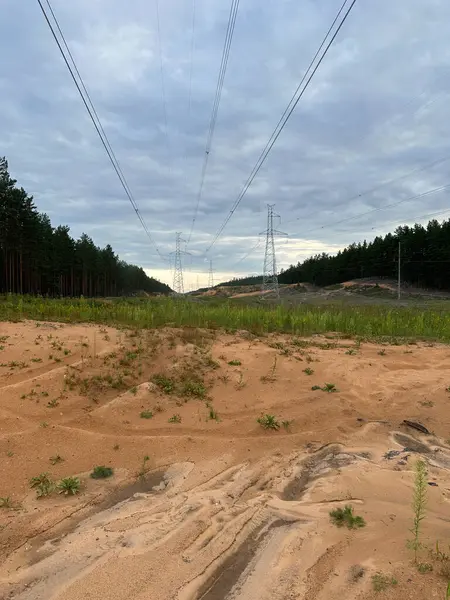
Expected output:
{"points": [[225, 509]]}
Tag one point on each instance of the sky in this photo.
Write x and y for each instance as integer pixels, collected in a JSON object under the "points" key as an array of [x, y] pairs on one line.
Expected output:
{"points": [[371, 130]]}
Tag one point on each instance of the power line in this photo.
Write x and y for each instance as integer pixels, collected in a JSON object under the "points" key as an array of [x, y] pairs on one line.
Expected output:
{"points": [[286, 114], [386, 183], [93, 113], [161, 68], [192, 57], [220, 80]]}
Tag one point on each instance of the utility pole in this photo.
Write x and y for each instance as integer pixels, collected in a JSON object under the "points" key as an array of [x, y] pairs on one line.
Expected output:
{"points": [[270, 277], [399, 271], [178, 285], [210, 275]]}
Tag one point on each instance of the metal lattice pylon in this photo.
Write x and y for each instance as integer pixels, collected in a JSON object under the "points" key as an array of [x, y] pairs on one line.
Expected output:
{"points": [[178, 285], [210, 275], [270, 276]]}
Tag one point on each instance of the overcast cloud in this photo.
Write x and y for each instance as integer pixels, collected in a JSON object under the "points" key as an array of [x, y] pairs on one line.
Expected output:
{"points": [[376, 110]]}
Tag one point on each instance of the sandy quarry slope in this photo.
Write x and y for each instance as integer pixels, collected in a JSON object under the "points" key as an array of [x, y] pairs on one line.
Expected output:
{"points": [[222, 509]]}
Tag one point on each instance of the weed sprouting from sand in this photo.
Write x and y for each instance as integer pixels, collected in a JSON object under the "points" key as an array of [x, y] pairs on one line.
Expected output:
{"points": [[54, 460], [271, 375], [44, 424], [286, 425], [174, 419], [69, 486], [146, 414], [213, 415], [356, 572], [6, 502], [418, 505], [43, 484], [328, 387], [345, 516], [102, 472], [142, 472], [381, 352], [240, 385], [165, 384], [424, 567], [351, 352], [381, 582], [308, 371], [53, 403], [194, 388], [234, 363], [268, 422]]}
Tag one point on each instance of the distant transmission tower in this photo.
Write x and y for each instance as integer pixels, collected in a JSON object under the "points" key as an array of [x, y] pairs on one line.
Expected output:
{"points": [[210, 275], [270, 277], [178, 285]]}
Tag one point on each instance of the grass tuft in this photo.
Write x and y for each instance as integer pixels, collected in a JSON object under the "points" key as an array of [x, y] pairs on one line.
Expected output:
{"points": [[345, 516], [69, 486], [268, 422], [102, 472]]}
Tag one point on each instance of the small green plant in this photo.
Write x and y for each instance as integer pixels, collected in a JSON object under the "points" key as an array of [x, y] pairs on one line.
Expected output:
{"points": [[193, 388], [53, 403], [418, 505], [36, 360], [381, 582], [175, 419], [56, 459], [146, 414], [213, 415], [43, 484], [234, 363], [158, 408], [133, 390], [424, 567], [6, 502], [271, 376], [102, 472], [268, 422], [141, 473], [44, 424], [427, 403], [351, 351], [286, 424], [447, 595], [166, 384], [345, 516], [9, 453], [240, 385], [308, 371], [69, 486], [381, 352], [329, 387]]}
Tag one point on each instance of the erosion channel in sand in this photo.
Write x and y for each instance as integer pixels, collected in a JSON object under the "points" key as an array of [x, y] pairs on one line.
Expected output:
{"points": [[205, 502]]}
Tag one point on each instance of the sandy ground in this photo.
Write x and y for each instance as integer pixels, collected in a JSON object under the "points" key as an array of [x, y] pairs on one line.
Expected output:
{"points": [[222, 508]]}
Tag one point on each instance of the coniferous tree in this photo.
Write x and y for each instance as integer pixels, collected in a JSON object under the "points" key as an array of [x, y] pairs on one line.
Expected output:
{"points": [[36, 258]]}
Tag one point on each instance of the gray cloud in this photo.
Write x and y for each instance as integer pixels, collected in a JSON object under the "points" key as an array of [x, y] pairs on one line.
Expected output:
{"points": [[375, 110]]}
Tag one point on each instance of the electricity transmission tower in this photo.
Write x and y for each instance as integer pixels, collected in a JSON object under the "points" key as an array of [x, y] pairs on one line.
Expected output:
{"points": [[210, 275], [178, 285], [270, 277]]}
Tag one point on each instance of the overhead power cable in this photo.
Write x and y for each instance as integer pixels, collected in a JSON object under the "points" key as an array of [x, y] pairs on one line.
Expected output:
{"points": [[382, 185], [163, 86], [287, 112], [192, 57], [219, 86], [374, 210], [87, 101]]}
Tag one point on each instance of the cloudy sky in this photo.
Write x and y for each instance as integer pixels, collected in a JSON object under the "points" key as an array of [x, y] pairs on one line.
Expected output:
{"points": [[371, 130]]}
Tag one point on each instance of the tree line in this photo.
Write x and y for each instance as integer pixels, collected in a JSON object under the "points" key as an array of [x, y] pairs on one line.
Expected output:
{"points": [[36, 258], [425, 260], [424, 254]]}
